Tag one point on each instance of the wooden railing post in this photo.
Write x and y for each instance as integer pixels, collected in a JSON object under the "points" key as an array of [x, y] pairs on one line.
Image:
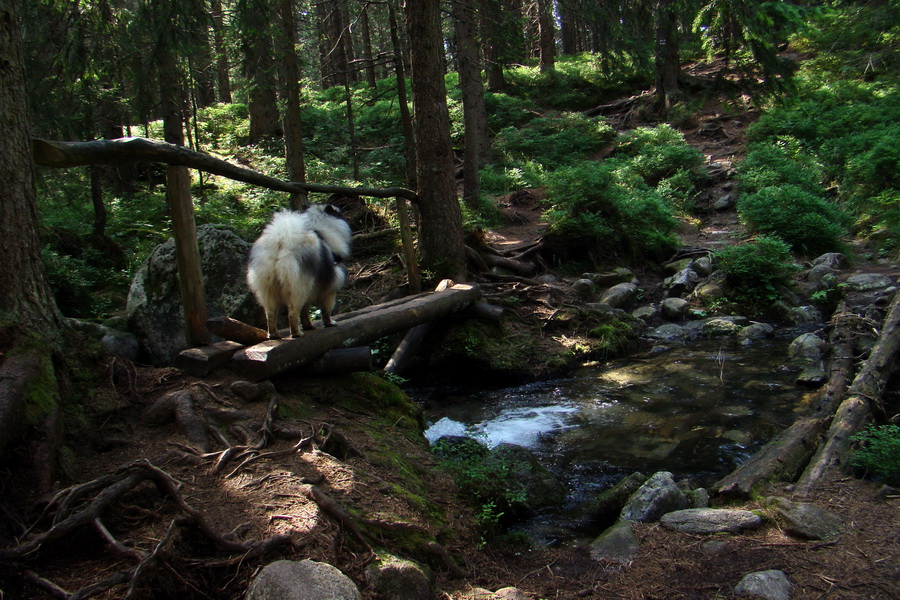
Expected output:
{"points": [[409, 249]]}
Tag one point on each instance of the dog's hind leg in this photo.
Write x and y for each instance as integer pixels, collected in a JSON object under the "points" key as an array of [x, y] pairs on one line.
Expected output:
{"points": [[326, 303], [272, 322]]}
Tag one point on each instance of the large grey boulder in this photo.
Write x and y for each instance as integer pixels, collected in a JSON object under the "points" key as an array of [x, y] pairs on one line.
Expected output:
{"points": [[617, 544], [866, 282], [681, 283], [303, 580], [608, 504], [832, 260], [672, 309], [154, 308], [804, 520], [765, 585], [754, 332], [657, 496], [705, 521], [400, 579], [807, 348], [621, 295]]}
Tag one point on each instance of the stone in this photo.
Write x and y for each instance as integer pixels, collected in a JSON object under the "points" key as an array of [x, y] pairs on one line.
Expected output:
{"points": [[755, 332], [812, 376], [657, 496], [766, 585], [250, 391], [673, 267], [672, 309], [821, 277], [608, 504], [668, 333], [721, 326], [706, 521], [703, 266], [303, 580], [525, 471], [804, 520], [681, 283], [807, 348], [867, 282], [510, 593], [832, 260], [709, 291], [644, 312], [724, 202], [154, 308], [400, 579], [584, 288], [620, 295], [803, 315], [617, 544]]}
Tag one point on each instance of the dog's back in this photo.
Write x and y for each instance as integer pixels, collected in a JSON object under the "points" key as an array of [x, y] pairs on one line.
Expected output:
{"points": [[295, 263]]}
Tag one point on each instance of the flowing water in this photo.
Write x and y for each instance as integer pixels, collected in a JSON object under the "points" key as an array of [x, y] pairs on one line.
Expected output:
{"points": [[696, 411]]}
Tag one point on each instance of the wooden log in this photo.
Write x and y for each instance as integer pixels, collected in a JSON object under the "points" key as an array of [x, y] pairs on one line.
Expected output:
{"points": [[785, 456], [236, 331], [73, 154], [856, 409], [276, 356], [203, 360], [340, 361]]}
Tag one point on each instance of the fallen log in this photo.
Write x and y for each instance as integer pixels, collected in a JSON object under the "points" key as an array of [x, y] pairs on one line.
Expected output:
{"points": [[856, 409], [785, 456], [276, 356]]}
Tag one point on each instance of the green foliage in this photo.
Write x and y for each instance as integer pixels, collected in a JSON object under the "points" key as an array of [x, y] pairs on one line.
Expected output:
{"points": [[554, 141], [779, 164], [879, 452], [659, 152], [224, 125], [754, 270], [595, 213], [810, 224]]}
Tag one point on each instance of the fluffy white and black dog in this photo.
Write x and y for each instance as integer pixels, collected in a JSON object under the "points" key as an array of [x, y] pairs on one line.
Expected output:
{"points": [[297, 262]]}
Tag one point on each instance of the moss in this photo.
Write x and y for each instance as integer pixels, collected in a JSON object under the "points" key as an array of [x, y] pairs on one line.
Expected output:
{"points": [[42, 393]]}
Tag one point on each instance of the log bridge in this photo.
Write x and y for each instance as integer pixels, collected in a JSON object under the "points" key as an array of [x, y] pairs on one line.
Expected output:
{"points": [[248, 352]]}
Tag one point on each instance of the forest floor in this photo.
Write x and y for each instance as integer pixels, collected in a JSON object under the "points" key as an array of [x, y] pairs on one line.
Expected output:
{"points": [[272, 496]]}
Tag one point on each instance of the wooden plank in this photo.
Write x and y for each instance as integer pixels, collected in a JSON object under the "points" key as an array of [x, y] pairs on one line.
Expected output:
{"points": [[276, 356], [203, 360]]}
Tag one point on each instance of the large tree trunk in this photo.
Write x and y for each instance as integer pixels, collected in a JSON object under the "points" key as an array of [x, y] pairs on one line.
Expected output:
{"points": [[668, 65], [474, 111], [369, 62], [547, 36], [25, 297], [491, 25], [223, 77], [441, 239], [259, 69], [293, 130]]}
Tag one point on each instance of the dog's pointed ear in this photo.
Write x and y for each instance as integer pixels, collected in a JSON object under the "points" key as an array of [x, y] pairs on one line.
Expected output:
{"points": [[333, 211]]}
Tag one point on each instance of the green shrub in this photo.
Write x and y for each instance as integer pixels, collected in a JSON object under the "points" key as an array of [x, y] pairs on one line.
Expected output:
{"points": [[224, 125], [596, 213], [807, 222], [554, 141], [756, 269], [879, 452], [773, 165]]}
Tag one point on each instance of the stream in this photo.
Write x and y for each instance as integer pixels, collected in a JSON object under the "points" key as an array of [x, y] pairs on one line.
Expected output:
{"points": [[697, 411]]}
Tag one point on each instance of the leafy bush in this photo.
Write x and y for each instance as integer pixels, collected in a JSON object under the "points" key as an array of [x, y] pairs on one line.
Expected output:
{"points": [[595, 213], [807, 222], [755, 270], [879, 452], [224, 125], [554, 141], [772, 165]]}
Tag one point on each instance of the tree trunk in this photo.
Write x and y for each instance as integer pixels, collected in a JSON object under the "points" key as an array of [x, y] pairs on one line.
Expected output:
{"points": [[277, 356], [367, 45], [293, 129], [668, 65], [203, 72], [474, 111], [491, 24], [441, 238], [547, 36], [409, 139], [259, 63], [222, 72], [568, 26], [25, 297]]}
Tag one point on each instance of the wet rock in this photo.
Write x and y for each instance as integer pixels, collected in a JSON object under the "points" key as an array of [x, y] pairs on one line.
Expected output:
{"points": [[766, 585], [400, 579], [705, 521], [584, 288], [657, 496], [620, 295], [755, 332], [832, 260], [866, 282], [812, 376], [154, 307], [617, 544], [822, 277], [672, 309], [803, 315], [804, 520], [606, 507], [681, 283], [721, 326], [303, 580], [703, 266], [668, 333], [675, 266], [645, 313], [807, 348]]}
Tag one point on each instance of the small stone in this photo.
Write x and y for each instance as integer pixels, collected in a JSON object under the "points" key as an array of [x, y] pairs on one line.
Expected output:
{"points": [[705, 521], [804, 520], [766, 585]]}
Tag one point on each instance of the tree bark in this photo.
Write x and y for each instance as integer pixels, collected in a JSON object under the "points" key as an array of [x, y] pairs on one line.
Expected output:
{"points": [[293, 129], [547, 36], [367, 55], [491, 24], [74, 154], [223, 76], [441, 238], [276, 356], [255, 17], [474, 111], [409, 139], [25, 297], [668, 65]]}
